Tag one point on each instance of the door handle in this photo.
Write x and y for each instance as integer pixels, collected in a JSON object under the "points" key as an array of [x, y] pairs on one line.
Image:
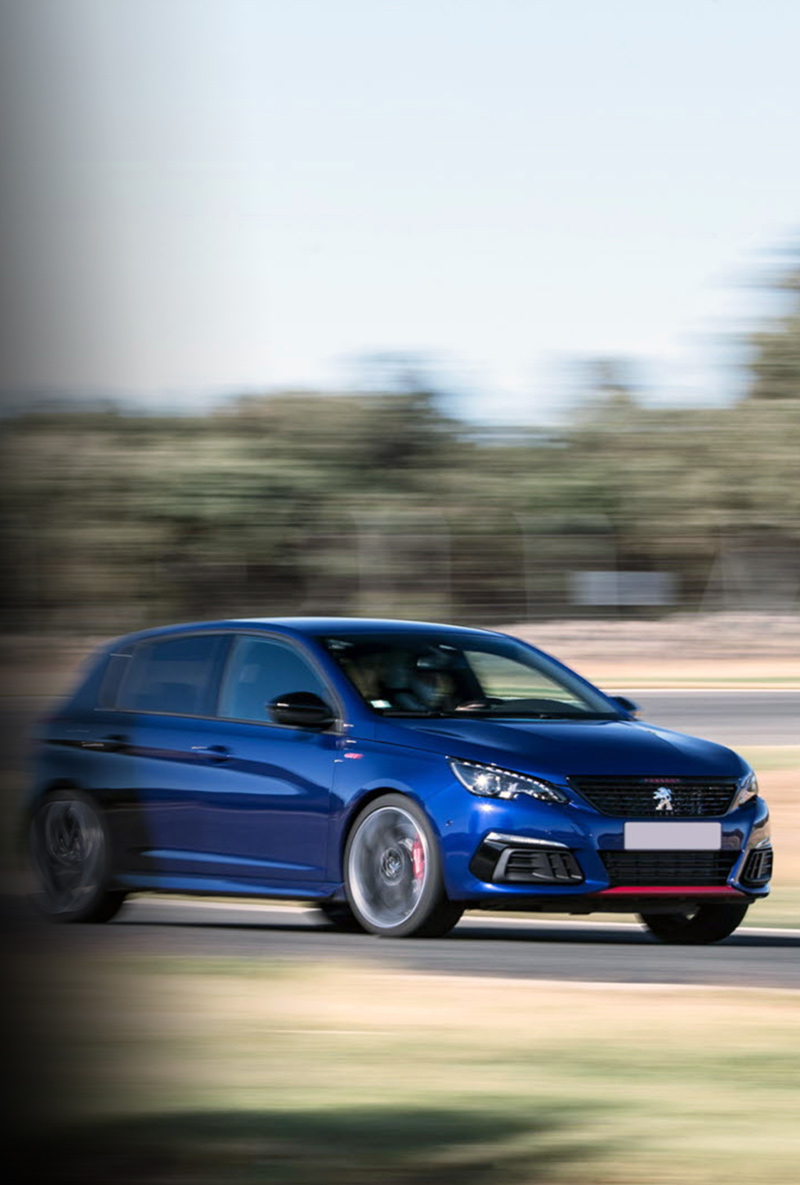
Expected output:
{"points": [[213, 752], [110, 744]]}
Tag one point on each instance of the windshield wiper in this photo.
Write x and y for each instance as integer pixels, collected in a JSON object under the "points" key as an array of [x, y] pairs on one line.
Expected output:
{"points": [[419, 713], [507, 713], [529, 714]]}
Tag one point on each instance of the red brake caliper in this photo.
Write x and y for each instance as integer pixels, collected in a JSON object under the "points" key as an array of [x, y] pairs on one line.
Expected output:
{"points": [[418, 858]]}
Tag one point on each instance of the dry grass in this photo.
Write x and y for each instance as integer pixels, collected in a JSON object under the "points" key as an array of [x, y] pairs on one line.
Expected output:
{"points": [[357, 1075], [722, 649], [781, 789]]}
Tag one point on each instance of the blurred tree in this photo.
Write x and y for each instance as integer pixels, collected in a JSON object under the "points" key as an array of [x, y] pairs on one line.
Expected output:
{"points": [[775, 364], [612, 382], [336, 503]]}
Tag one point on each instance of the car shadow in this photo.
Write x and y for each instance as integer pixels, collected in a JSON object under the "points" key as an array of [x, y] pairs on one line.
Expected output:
{"points": [[19, 919], [571, 933], [229, 927], [590, 933], [330, 1147]]}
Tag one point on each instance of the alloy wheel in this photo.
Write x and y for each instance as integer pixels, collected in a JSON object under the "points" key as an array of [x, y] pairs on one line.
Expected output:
{"points": [[388, 866]]}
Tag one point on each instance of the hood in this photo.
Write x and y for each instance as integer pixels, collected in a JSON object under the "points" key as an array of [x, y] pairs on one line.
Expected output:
{"points": [[556, 749]]}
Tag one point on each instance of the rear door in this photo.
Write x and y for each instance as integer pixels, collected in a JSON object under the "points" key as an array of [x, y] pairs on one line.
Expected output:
{"points": [[165, 707]]}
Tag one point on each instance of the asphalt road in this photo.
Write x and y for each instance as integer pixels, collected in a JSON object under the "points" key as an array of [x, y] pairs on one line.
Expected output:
{"points": [[735, 717], [482, 945]]}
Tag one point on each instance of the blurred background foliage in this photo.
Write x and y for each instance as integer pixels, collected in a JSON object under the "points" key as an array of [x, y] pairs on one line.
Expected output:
{"points": [[384, 503]]}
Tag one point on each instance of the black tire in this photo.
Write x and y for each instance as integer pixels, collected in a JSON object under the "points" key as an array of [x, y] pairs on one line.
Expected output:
{"points": [[695, 926], [393, 872], [70, 855], [340, 915]]}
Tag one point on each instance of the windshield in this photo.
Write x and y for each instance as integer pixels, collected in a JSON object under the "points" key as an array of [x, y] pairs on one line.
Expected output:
{"points": [[406, 675]]}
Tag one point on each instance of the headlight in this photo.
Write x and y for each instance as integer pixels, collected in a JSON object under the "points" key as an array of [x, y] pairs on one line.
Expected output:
{"points": [[487, 781], [748, 789]]}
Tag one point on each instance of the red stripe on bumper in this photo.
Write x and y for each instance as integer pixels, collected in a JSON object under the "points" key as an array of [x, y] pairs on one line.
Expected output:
{"points": [[670, 891]]}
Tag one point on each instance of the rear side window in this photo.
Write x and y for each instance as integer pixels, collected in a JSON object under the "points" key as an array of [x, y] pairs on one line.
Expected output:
{"points": [[113, 677], [175, 675], [259, 671]]}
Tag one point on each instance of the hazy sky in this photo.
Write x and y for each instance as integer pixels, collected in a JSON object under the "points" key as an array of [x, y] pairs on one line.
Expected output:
{"points": [[211, 194]]}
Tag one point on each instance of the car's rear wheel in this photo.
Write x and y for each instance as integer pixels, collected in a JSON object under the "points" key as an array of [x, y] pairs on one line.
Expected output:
{"points": [[71, 859], [695, 926], [393, 872]]}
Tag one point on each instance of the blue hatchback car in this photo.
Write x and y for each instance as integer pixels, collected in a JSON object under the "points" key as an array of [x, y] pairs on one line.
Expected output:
{"points": [[394, 773]]}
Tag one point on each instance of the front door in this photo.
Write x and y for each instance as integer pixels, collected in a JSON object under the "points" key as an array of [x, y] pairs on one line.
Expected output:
{"points": [[266, 810]]}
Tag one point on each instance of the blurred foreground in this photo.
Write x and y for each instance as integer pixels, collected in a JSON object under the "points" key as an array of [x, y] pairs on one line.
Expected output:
{"points": [[195, 1070]]}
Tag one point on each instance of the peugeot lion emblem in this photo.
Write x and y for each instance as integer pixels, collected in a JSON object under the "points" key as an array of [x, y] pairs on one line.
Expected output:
{"points": [[663, 797]]}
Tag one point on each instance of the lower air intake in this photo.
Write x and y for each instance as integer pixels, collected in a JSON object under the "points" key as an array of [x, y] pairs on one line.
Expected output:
{"points": [[526, 865], [668, 868], [758, 869]]}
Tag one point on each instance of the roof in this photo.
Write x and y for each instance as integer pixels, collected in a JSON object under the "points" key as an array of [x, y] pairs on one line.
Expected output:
{"points": [[308, 625], [355, 625]]}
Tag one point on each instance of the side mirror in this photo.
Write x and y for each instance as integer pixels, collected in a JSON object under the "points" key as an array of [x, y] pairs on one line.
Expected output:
{"points": [[303, 709], [627, 704]]}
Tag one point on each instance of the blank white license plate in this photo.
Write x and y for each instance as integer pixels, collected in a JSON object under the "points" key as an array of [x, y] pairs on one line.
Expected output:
{"points": [[673, 837]]}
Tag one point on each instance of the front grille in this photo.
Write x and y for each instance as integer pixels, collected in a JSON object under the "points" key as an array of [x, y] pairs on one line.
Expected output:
{"points": [[553, 867], [758, 868], [644, 798], [668, 868]]}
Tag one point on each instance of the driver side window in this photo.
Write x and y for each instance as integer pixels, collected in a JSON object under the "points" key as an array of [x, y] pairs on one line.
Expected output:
{"points": [[261, 669]]}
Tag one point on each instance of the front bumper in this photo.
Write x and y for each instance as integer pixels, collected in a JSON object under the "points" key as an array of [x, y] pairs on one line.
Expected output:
{"points": [[528, 855]]}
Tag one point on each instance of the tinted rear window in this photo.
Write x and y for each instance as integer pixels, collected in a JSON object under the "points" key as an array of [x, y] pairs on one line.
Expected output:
{"points": [[176, 675]]}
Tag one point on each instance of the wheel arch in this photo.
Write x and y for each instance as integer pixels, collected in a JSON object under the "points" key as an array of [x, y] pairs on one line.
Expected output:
{"points": [[357, 805], [53, 786]]}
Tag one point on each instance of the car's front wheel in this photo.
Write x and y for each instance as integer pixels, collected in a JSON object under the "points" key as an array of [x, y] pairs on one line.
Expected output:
{"points": [[393, 872], [695, 926], [71, 859]]}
